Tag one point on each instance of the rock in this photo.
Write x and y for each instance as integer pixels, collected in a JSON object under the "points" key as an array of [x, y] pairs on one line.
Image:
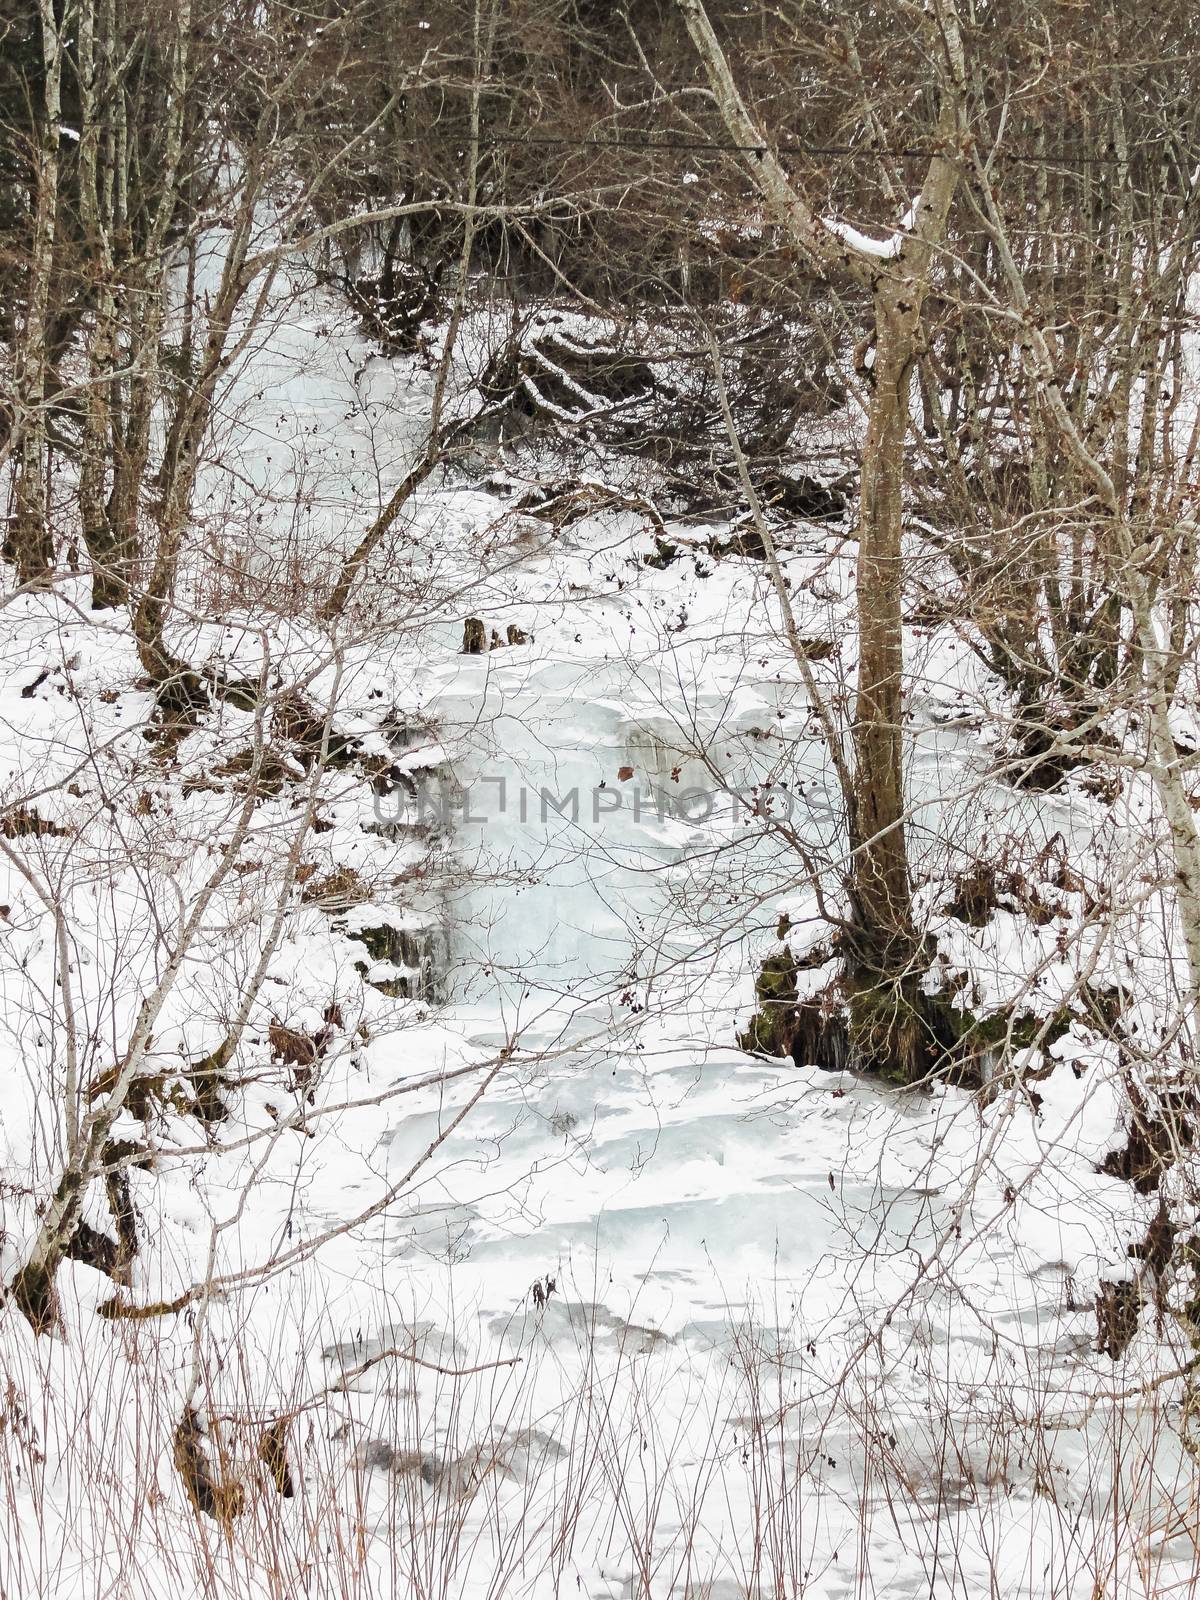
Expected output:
{"points": [[421, 955]]}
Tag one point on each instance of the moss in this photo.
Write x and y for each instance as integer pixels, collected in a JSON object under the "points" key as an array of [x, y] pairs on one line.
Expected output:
{"points": [[770, 1029], [811, 1030], [776, 979], [211, 1495], [663, 554], [890, 1033], [22, 822], [894, 1032], [36, 1297], [403, 947], [961, 1029], [117, 1309], [154, 1092], [272, 1452], [383, 943], [422, 952]]}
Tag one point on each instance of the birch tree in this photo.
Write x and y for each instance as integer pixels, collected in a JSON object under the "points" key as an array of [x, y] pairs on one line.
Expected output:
{"points": [[29, 543]]}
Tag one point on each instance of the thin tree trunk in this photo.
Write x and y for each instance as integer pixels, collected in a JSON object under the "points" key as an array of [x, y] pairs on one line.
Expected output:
{"points": [[97, 49], [29, 543], [177, 685], [884, 1011], [131, 432]]}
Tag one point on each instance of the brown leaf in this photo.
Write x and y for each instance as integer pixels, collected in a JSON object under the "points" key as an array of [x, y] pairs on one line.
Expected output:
{"points": [[272, 1452], [291, 1045]]}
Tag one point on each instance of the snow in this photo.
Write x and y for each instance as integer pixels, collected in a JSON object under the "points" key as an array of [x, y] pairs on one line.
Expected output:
{"points": [[802, 1328], [865, 244]]}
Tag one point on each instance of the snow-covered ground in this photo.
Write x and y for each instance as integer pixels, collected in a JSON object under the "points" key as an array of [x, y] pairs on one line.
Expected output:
{"points": [[734, 1327]]}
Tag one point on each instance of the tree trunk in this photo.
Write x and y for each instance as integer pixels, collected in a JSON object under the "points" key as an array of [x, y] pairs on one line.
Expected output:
{"points": [[887, 1026], [178, 688], [33, 1287], [885, 1023], [29, 543], [180, 691], [146, 288], [97, 47]]}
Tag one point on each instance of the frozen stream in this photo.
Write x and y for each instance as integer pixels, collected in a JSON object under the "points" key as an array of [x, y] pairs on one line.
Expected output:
{"points": [[644, 1151], [699, 1211], [687, 1200]]}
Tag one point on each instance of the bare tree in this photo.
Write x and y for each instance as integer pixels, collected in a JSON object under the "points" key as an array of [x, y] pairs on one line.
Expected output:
{"points": [[883, 954], [1077, 470], [29, 542]]}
